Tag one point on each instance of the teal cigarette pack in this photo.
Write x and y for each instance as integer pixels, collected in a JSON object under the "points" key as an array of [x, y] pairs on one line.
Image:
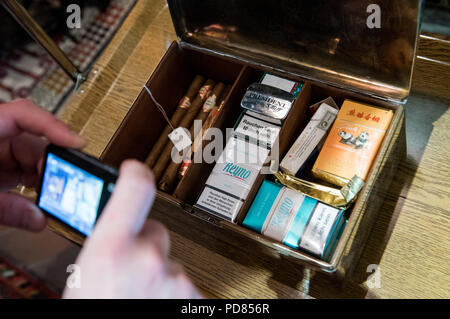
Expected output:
{"points": [[295, 220]]}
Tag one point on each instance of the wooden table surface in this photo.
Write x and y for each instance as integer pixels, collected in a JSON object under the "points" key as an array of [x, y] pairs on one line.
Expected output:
{"points": [[410, 240]]}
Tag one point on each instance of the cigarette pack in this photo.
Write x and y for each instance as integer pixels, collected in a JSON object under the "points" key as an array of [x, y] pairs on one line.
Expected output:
{"points": [[256, 130], [271, 99], [233, 176], [295, 219], [352, 143], [329, 100], [254, 135], [267, 101], [309, 140], [284, 84], [238, 166]]}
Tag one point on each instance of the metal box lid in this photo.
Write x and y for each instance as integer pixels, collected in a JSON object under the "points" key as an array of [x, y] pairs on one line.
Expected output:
{"points": [[367, 46]]}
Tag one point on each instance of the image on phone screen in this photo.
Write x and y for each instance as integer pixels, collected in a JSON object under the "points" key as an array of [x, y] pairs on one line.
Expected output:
{"points": [[70, 194]]}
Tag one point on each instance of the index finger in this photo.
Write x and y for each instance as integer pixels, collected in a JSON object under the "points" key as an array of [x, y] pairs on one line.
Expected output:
{"points": [[24, 116]]}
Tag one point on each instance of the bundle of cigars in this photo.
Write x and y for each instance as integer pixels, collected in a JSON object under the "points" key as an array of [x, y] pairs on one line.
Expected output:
{"points": [[202, 101]]}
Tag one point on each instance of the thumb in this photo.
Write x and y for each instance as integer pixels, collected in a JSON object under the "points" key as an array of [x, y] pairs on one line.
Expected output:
{"points": [[17, 211], [127, 209]]}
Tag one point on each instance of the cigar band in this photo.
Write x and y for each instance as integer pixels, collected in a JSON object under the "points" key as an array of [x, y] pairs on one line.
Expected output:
{"points": [[186, 162], [221, 104], [209, 103], [204, 91], [185, 103], [184, 167]]}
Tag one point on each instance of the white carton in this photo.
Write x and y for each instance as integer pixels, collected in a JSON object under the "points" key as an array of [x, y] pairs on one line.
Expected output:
{"points": [[309, 139], [232, 178], [257, 130], [246, 152]]}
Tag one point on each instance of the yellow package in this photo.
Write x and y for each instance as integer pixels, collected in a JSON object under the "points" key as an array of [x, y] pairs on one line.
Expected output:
{"points": [[352, 143]]}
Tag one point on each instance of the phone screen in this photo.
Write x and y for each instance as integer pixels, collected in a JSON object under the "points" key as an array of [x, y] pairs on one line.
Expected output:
{"points": [[71, 194]]}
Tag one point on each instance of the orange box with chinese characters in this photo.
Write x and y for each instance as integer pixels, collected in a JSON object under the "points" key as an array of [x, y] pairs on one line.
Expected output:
{"points": [[352, 143]]}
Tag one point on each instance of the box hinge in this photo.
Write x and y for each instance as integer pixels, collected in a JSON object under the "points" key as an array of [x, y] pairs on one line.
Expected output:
{"points": [[200, 214]]}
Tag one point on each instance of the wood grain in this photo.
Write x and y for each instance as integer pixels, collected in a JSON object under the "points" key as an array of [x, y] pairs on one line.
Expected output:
{"points": [[432, 67], [409, 241]]}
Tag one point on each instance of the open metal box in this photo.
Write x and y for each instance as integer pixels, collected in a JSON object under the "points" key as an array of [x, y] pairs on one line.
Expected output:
{"points": [[334, 47]]}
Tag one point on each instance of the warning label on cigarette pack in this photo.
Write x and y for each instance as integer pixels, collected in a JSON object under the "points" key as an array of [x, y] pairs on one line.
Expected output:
{"points": [[220, 203]]}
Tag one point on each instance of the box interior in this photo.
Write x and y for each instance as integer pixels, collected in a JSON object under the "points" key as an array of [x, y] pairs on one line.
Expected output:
{"points": [[143, 124]]}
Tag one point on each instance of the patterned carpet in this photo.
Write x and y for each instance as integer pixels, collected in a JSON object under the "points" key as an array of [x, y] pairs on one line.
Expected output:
{"points": [[29, 72], [16, 284]]}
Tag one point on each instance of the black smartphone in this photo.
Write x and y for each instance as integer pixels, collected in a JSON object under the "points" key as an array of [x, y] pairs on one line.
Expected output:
{"points": [[74, 188]]}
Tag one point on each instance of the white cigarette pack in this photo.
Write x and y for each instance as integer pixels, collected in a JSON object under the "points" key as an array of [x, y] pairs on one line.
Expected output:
{"points": [[309, 139], [232, 178]]}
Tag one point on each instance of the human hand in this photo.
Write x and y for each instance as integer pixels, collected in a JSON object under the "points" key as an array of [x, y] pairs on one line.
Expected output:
{"points": [[25, 131], [126, 255]]}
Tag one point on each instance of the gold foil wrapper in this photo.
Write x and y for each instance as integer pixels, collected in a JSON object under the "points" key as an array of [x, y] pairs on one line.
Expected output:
{"points": [[330, 178], [341, 198], [352, 188]]}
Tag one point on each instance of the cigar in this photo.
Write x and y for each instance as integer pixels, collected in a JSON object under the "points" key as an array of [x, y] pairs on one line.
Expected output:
{"points": [[208, 124], [209, 120], [197, 142], [170, 175], [186, 121], [183, 106]]}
